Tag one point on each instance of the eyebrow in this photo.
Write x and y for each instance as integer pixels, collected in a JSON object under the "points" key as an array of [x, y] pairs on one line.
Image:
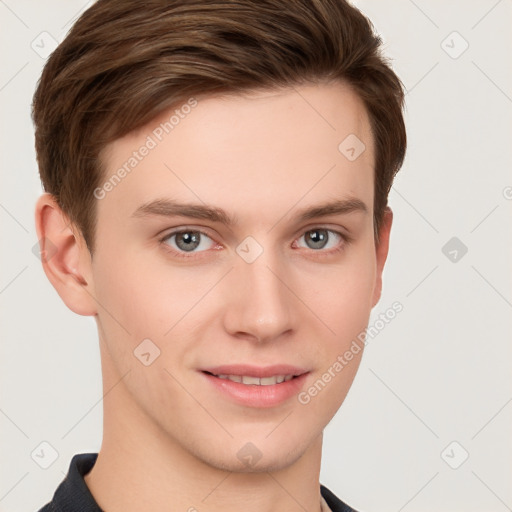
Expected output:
{"points": [[170, 208]]}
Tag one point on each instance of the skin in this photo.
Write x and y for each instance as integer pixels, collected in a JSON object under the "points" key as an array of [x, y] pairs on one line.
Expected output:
{"points": [[170, 439]]}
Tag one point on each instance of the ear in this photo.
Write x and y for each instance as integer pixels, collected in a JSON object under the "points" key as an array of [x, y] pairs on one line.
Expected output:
{"points": [[65, 257], [381, 252]]}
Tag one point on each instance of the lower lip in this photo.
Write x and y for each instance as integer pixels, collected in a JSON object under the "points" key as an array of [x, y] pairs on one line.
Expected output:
{"points": [[252, 395]]}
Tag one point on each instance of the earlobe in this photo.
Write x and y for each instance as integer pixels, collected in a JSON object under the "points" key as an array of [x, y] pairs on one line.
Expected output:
{"points": [[65, 258], [381, 252]]}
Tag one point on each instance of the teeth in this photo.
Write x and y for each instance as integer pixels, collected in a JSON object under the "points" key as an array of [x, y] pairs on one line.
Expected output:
{"points": [[264, 381]]}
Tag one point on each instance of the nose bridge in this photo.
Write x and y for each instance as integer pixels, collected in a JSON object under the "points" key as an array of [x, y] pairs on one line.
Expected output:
{"points": [[261, 306]]}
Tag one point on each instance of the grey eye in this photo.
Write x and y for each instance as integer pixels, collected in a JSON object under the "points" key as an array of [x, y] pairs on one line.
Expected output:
{"points": [[189, 241], [321, 238]]}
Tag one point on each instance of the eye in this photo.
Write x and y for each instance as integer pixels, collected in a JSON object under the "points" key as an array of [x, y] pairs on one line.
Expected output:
{"points": [[188, 240], [322, 238]]}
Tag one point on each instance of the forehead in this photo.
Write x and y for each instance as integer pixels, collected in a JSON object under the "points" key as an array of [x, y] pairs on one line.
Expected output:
{"points": [[266, 150]]}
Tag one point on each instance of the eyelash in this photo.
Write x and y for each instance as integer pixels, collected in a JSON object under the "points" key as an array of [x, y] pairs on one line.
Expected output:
{"points": [[345, 240]]}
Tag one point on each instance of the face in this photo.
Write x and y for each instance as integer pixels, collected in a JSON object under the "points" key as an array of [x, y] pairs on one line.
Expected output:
{"points": [[211, 260]]}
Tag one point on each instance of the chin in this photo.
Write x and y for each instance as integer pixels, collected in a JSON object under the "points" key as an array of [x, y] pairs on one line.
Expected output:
{"points": [[261, 456], [276, 462]]}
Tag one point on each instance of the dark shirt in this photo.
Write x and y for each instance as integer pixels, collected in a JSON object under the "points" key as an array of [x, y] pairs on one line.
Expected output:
{"points": [[73, 495]]}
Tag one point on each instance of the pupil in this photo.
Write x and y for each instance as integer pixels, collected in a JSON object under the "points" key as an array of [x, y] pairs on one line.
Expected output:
{"points": [[187, 241], [318, 237]]}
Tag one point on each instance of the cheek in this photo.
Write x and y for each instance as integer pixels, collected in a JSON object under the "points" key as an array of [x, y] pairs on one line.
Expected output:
{"points": [[342, 295], [144, 297], [131, 306], [344, 304]]}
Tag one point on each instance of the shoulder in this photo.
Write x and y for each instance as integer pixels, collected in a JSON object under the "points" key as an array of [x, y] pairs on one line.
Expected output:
{"points": [[73, 494], [48, 508], [335, 504]]}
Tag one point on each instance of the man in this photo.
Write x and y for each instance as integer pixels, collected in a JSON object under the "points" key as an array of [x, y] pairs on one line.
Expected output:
{"points": [[216, 178]]}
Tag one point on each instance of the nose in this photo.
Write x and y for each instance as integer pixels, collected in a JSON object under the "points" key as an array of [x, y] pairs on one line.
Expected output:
{"points": [[260, 306]]}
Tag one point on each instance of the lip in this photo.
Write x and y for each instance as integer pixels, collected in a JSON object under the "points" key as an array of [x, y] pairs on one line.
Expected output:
{"points": [[253, 395], [255, 371]]}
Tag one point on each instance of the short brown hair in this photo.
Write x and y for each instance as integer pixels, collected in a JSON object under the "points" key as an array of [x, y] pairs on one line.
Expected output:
{"points": [[125, 61]]}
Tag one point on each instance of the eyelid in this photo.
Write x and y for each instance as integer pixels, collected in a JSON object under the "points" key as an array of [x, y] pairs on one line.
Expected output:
{"points": [[335, 228], [163, 235], [345, 240]]}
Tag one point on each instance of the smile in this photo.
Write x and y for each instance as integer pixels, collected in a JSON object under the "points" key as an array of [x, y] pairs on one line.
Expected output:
{"points": [[257, 381], [256, 386]]}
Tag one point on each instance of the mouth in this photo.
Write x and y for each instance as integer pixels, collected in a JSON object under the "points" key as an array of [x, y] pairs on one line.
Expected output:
{"points": [[255, 381], [253, 386]]}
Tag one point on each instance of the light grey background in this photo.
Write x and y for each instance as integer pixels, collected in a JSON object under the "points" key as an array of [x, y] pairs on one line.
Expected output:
{"points": [[439, 373]]}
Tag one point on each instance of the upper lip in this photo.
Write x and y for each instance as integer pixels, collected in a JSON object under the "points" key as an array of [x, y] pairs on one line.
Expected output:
{"points": [[255, 371]]}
